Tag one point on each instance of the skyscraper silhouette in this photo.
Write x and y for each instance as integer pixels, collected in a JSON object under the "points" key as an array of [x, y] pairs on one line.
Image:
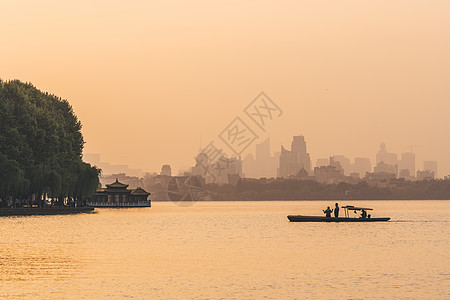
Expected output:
{"points": [[291, 162]]}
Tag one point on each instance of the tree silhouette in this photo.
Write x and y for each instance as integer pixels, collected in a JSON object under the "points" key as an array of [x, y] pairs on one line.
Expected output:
{"points": [[41, 147]]}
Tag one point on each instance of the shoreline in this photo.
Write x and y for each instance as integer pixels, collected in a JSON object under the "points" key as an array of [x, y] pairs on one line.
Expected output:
{"points": [[42, 211]]}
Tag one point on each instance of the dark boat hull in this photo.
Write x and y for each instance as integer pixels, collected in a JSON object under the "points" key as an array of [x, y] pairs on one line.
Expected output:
{"points": [[300, 218]]}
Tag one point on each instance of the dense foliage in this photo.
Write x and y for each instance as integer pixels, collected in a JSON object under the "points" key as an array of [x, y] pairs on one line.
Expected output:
{"points": [[41, 146], [287, 189]]}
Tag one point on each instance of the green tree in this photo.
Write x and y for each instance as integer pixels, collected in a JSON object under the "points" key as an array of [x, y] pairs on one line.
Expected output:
{"points": [[41, 146]]}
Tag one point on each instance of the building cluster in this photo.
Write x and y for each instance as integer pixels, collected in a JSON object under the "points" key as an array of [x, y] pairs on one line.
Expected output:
{"points": [[391, 166], [224, 171], [296, 164]]}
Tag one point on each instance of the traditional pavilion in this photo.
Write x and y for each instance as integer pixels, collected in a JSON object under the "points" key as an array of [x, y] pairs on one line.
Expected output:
{"points": [[118, 194]]}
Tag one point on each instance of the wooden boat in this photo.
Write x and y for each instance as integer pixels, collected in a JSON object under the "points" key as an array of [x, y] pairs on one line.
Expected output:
{"points": [[347, 218], [300, 218]]}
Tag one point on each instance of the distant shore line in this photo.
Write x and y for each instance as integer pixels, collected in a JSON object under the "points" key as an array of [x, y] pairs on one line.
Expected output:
{"points": [[40, 211]]}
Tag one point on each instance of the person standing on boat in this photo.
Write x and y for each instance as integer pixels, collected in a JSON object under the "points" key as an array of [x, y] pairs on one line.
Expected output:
{"points": [[363, 214], [336, 210], [328, 212]]}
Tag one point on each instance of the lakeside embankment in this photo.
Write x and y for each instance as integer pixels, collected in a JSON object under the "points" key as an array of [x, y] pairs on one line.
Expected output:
{"points": [[32, 211]]}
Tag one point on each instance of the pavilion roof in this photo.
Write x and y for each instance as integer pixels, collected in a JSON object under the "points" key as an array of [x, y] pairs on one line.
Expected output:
{"points": [[139, 191], [302, 173], [117, 184]]}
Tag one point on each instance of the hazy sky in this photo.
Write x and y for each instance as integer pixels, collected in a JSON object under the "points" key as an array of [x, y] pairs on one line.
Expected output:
{"points": [[150, 81]]}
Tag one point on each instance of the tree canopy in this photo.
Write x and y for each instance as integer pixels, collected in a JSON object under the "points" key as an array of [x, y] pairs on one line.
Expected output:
{"points": [[41, 145]]}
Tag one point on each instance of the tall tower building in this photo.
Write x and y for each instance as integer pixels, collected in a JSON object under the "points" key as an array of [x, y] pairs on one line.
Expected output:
{"points": [[288, 163], [263, 150], [344, 162], [362, 166], [298, 144], [298, 147], [386, 157], [430, 165], [264, 165], [291, 162], [408, 162], [321, 162]]}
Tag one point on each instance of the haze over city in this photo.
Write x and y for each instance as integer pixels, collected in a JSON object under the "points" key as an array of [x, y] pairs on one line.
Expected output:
{"points": [[225, 149], [154, 82]]}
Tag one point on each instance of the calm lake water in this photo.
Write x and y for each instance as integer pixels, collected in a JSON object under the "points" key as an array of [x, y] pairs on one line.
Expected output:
{"points": [[228, 250]]}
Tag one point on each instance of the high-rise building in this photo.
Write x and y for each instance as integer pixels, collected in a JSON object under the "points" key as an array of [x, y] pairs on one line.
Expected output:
{"points": [[291, 162], [425, 175], [166, 170], [298, 147], [382, 167], [386, 157], [327, 174], [263, 150], [264, 165], [404, 173], [322, 162], [362, 166], [344, 162], [234, 166], [337, 165], [249, 167], [288, 163], [408, 162], [431, 165]]}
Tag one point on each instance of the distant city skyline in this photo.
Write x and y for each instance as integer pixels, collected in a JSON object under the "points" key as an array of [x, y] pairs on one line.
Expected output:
{"points": [[261, 161]]}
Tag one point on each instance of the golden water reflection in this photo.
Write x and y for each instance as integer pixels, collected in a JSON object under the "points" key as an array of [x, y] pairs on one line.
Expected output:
{"points": [[230, 250]]}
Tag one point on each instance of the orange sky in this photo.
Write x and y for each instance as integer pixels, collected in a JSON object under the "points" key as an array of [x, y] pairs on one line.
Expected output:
{"points": [[149, 80]]}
